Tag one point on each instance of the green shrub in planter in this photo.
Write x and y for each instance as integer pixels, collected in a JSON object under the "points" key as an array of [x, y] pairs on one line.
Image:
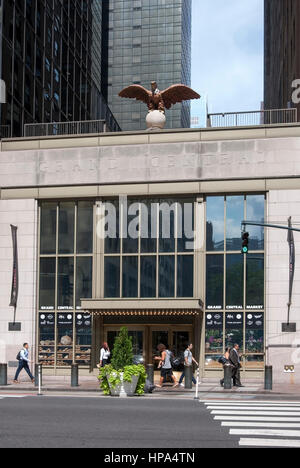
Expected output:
{"points": [[122, 355], [122, 363]]}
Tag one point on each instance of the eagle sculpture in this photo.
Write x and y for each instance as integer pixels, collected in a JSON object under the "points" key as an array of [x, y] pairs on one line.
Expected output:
{"points": [[157, 100]]}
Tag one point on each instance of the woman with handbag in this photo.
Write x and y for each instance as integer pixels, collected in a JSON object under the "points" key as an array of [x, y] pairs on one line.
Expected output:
{"points": [[225, 361]]}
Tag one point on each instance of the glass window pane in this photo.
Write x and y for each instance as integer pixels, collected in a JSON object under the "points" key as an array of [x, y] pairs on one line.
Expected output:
{"points": [[112, 228], [234, 330], [132, 228], [185, 226], [256, 212], [66, 228], [148, 277], [234, 281], [65, 340], [185, 276], [47, 339], [214, 333], [167, 210], [112, 277], [166, 276], [215, 223], [65, 283], [83, 339], [48, 228], [130, 277], [149, 209], [255, 333], [234, 218], [84, 279], [47, 283], [85, 218], [211, 362], [214, 281], [255, 362], [255, 281]]}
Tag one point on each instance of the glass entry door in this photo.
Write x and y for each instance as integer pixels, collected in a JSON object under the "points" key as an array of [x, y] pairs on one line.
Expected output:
{"points": [[176, 338]]}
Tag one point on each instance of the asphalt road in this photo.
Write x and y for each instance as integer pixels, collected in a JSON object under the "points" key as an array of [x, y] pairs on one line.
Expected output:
{"points": [[66, 422]]}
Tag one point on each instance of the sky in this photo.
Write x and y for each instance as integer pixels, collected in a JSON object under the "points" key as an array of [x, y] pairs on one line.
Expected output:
{"points": [[227, 55]]}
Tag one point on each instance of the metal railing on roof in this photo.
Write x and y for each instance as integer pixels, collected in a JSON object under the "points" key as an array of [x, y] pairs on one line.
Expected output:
{"points": [[5, 131], [253, 118], [65, 128]]}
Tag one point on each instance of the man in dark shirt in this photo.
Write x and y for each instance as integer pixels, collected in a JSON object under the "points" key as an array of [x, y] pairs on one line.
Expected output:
{"points": [[235, 360]]}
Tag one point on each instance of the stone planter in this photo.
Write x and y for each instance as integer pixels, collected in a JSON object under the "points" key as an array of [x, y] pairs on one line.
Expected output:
{"points": [[125, 389]]}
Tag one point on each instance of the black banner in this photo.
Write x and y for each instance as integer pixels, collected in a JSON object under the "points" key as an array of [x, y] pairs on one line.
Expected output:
{"points": [[234, 321], [214, 321], [15, 277], [291, 243]]}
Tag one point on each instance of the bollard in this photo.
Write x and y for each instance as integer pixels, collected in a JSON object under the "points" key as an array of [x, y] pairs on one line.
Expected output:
{"points": [[196, 397], [3, 375], [38, 371], [188, 377], [74, 375], [150, 373], [227, 377], [268, 378]]}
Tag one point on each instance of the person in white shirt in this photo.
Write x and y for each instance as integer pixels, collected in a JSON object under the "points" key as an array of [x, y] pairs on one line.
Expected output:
{"points": [[24, 363], [104, 355]]}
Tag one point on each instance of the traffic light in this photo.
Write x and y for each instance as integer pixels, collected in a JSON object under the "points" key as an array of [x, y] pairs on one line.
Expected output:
{"points": [[245, 243]]}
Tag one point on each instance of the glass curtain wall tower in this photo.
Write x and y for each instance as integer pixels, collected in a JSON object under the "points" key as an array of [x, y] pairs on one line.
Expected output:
{"points": [[148, 40], [51, 62]]}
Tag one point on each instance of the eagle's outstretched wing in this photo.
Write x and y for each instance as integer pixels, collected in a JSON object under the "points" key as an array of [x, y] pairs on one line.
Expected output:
{"points": [[178, 93], [136, 92]]}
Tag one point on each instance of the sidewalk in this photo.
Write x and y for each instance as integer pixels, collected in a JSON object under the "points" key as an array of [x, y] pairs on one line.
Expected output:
{"points": [[91, 384]]}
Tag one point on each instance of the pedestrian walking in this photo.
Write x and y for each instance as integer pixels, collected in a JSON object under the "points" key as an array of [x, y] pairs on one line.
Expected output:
{"points": [[225, 361], [235, 360], [104, 355], [165, 364], [188, 362], [23, 358]]}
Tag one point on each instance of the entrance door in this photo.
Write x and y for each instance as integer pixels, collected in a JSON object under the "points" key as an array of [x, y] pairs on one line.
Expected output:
{"points": [[138, 341], [176, 338]]}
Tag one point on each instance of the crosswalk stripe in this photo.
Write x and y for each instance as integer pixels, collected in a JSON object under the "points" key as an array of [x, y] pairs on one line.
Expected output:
{"points": [[249, 403], [252, 404], [236, 408], [260, 424], [255, 412], [255, 418], [265, 432], [269, 443]]}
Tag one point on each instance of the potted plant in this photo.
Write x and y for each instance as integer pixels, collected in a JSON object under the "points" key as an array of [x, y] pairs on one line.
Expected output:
{"points": [[122, 377]]}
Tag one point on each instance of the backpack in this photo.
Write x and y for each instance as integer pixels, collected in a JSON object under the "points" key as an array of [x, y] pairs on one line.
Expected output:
{"points": [[18, 356], [178, 361]]}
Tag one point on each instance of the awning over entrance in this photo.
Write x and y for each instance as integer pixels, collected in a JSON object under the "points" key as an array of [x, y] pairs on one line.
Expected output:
{"points": [[148, 308]]}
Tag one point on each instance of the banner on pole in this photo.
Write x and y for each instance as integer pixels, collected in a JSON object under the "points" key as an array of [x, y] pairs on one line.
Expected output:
{"points": [[15, 277]]}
